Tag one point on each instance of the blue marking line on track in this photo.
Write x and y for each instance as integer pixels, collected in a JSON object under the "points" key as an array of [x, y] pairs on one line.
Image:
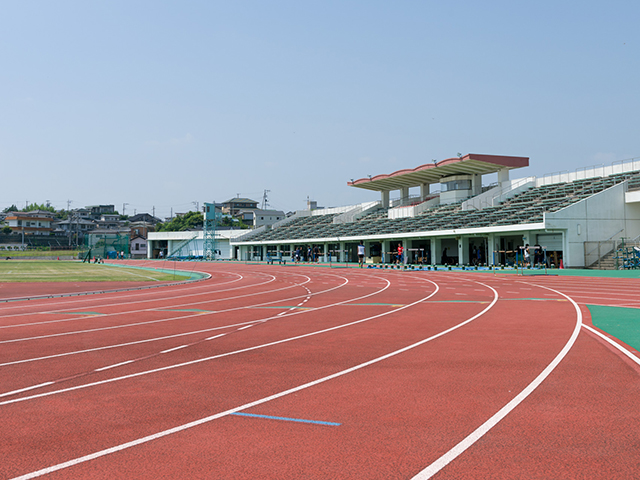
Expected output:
{"points": [[301, 420]]}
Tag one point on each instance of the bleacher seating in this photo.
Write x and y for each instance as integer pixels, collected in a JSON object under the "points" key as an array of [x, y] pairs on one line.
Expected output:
{"points": [[526, 207]]}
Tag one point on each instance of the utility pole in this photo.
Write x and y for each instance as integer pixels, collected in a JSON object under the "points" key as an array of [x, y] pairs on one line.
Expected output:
{"points": [[154, 210], [123, 207], [265, 200]]}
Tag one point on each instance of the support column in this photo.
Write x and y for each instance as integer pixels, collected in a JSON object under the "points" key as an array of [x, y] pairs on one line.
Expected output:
{"points": [[436, 250], [326, 252], [384, 198], [404, 195], [424, 191], [463, 250], [408, 256], [342, 255], [503, 175], [493, 245], [385, 246], [476, 184]]}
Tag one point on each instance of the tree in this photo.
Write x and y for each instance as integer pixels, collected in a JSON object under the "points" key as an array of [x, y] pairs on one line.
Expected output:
{"points": [[44, 207], [187, 221], [12, 208], [7, 230]]}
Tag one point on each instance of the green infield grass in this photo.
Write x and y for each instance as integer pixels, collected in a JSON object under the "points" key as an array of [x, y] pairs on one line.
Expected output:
{"points": [[38, 253], [73, 271]]}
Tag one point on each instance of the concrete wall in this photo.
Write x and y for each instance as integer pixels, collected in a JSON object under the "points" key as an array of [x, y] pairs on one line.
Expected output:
{"points": [[601, 217]]}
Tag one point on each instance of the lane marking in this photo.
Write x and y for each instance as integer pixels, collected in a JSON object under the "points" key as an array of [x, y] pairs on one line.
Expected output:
{"points": [[26, 389], [153, 321], [286, 419], [388, 284], [247, 349], [626, 352], [273, 279], [112, 366], [261, 401], [175, 288], [174, 349], [184, 310], [216, 336], [483, 429]]}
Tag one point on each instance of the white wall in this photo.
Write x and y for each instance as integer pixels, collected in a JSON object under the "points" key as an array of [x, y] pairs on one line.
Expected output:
{"points": [[601, 217]]}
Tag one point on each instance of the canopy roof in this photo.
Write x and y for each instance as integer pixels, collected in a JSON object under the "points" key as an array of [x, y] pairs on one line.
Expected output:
{"points": [[432, 172]]}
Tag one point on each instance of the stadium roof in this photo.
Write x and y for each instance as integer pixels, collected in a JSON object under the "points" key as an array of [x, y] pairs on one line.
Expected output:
{"points": [[432, 172]]}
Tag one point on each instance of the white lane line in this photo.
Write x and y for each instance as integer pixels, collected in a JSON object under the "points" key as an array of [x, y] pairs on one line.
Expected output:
{"points": [[174, 349], [208, 419], [189, 288], [216, 336], [153, 309], [76, 332], [118, 345], [248, 349], [112, 366], [245, 327], [66, 310], [477, 434], [299, 312], [626, 352], [26, 389]]}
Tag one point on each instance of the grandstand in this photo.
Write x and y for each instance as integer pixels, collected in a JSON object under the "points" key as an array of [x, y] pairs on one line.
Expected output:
{"points": [[567, 213]]}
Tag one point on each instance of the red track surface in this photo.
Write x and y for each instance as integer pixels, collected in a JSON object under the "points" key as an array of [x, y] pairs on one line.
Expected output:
{"points": [[406, 366]]}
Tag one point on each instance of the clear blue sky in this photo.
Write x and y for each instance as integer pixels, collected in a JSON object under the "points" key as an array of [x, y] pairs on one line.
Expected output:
{"points": [[157, 103]]}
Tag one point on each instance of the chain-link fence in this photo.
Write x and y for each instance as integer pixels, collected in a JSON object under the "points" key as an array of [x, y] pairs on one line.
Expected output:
{"points": [[106, 245]]}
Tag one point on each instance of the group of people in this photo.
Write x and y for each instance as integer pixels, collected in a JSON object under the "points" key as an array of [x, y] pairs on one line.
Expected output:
{"points": [[312, 254], [538, 255]]}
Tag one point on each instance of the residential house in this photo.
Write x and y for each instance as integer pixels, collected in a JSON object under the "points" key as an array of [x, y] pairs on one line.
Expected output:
{"points": [[37, 222]]}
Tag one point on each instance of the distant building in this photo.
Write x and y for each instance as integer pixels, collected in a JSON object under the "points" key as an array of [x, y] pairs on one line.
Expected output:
{"points": [[74, 225], [144, 217], [234, 205], [109, 221], [97, 211], [266, 217], [138, 247], [37, 222], [139, 232]]}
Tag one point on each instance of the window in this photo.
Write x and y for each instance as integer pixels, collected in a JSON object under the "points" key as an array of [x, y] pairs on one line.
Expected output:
{"points": [[457, 185]]}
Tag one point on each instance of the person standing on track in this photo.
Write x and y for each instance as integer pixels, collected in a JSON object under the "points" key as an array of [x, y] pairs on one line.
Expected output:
{"points": [[399, 258], [361, 254]]}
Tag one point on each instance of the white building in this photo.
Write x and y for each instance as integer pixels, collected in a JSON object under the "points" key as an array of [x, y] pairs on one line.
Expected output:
{"points": [[576, 216], [190, 243]]}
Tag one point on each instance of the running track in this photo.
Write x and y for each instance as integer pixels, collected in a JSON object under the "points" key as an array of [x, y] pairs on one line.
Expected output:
{"points": [[305, 372]]}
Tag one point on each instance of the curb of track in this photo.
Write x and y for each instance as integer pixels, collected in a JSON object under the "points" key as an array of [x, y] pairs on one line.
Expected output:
{"points": [[202, 277]]}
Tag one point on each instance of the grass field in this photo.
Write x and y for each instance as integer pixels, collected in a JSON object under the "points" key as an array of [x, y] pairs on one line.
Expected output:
{"points": [[72, 271], [38, 253]]}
